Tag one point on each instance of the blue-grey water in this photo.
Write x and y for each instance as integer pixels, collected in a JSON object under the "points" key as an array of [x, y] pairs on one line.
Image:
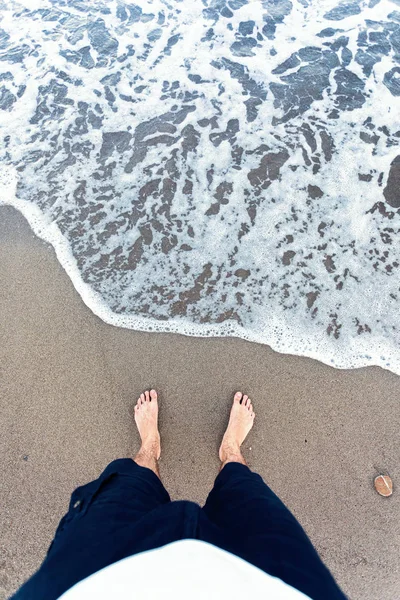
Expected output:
{"points": [[215, 167]]}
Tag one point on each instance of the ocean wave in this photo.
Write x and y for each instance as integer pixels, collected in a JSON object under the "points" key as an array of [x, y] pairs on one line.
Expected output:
{"points": [[225, 167]]}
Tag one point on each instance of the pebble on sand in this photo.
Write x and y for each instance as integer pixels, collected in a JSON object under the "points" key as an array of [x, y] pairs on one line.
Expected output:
{"points": [[383, 485]]}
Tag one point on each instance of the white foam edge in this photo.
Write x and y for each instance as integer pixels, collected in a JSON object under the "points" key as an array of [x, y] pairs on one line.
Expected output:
{"points": [[358, 354]]}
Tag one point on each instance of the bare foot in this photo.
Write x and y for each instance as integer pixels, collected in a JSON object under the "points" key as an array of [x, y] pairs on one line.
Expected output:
{"points": [[146, 418], [240, 422]]}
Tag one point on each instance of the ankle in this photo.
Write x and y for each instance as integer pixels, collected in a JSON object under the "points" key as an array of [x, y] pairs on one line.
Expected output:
{"points": [[232, 458], [150, 446], [230, 451]]}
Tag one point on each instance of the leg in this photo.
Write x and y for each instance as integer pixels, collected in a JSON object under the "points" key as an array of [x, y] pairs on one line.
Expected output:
{"points": [[254, 524], [119, 514], [146, 418], [222, 498]]}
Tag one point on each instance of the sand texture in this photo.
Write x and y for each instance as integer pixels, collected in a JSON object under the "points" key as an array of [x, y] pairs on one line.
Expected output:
{"points": [[69, 383]]}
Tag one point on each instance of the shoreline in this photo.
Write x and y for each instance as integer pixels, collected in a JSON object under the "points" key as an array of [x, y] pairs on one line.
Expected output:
{"points": [[311, 347]]}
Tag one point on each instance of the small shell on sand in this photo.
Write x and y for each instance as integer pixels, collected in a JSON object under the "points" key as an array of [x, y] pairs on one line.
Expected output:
{"points": [[383, 485]]}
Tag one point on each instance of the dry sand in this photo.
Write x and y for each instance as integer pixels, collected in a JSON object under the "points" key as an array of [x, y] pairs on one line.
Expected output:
{"points": [[68, 385]]}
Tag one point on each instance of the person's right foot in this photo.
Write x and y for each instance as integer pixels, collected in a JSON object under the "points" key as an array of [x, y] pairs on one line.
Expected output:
{"points": [[240, 423], [146, 418]]}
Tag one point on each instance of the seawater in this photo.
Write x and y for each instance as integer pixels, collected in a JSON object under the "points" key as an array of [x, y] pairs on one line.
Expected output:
{"points": [[215, 167]]}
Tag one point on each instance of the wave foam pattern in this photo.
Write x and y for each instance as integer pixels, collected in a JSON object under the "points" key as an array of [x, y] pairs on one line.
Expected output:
{"points": [[224, 167]]}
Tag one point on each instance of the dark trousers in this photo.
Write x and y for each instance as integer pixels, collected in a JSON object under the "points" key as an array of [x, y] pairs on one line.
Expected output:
{"points": [[127, 510]]}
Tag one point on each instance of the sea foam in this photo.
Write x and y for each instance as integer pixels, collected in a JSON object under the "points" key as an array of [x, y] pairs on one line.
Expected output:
{"points": [[214, 168]]}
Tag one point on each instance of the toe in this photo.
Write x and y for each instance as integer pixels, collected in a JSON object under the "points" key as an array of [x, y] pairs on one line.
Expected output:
{"points": [[250, 406], [141, 398], [245, 400], [238, 397], [153, 395], [147, 395]]}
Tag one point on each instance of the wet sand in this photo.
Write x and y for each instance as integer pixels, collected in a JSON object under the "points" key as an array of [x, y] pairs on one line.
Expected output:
{"points": [[69, 383]]}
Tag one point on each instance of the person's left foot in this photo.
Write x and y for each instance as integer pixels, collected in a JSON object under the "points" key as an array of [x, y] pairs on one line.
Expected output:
{"points": [[146, 418]]}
